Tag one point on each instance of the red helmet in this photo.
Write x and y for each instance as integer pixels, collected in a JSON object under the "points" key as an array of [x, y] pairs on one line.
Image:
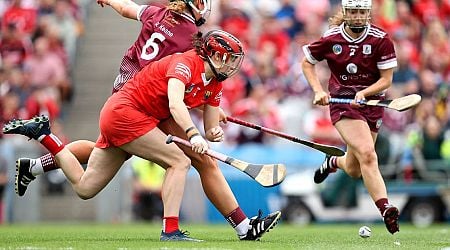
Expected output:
{"points": [[226, 49]]}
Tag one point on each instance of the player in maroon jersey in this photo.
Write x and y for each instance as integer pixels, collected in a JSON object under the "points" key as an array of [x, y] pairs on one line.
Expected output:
{"points": [[361, 59], [128, 122], [164, 32]]}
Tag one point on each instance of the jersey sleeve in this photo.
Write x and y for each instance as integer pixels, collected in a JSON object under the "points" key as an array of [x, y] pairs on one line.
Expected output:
{"points": [[181, 70], [146, 12], [314, 52], [386, 57]]}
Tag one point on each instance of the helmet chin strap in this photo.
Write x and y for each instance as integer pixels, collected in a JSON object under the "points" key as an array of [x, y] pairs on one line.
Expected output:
{"points": [[358, 29], [219, 76]]}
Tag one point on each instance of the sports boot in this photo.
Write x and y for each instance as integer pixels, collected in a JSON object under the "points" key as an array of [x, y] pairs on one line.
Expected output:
{"points": [[23, 175], [325, 169], [260, 226], [33, 128], [390, 218], [177, 236]]}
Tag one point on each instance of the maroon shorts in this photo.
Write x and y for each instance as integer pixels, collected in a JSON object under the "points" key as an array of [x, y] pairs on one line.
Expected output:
{"points": [[370, 114], [121, 122]]}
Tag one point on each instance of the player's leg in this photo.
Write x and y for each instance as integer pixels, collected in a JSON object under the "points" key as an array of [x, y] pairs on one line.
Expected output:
{"points": [[219, 192], [38, 128], [27, 169], [102, 167], [361, 160], [152, 146]]}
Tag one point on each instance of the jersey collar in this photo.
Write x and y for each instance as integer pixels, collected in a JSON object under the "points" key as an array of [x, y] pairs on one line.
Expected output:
{"points": [[186, 16], [351, 39], [205, 81]]}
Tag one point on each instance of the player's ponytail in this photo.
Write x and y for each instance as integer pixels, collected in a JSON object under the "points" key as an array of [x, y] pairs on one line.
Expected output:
{"points": [[197, 42], [177, 6], [336, 20]]}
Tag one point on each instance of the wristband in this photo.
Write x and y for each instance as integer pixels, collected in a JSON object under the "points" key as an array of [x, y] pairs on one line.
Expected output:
{"points": [[189, 129], [191, 132]]}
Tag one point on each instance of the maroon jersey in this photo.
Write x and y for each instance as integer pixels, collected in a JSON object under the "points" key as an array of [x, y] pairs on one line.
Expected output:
{"points": [[163, 33], [354, 63]]}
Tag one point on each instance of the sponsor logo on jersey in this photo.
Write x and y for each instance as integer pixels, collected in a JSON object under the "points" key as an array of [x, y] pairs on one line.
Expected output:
{"points": [[218, 96], [379, 122], [337, 49], [352, 68], [367, 49], [207, 94], [189, 89]]}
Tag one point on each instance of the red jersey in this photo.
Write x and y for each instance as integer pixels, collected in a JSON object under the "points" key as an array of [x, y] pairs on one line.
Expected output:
{"points": [[163, 33], [147, 90], [354, 63]]}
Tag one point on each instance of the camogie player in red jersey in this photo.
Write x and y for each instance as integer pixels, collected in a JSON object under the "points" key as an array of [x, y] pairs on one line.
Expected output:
{"points": [[129, 119], [164, 31], [361, 59]]}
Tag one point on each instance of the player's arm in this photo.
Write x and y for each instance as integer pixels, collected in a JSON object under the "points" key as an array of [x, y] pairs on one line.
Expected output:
{"points": [[379, 86], [320, 96], [180, 114], [126, 8], [211, 116]]}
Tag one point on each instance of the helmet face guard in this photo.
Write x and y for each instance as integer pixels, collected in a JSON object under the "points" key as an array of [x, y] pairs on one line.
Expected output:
{"points": [[356, 14], [223, 52], [203, 8]]}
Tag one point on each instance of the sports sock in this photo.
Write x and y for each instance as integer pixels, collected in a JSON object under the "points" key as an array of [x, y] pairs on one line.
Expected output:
{"points": [[382, 204], [36, 167], [170, 224], [48, 162], [51, 143], [239, 221], [333, 162]]}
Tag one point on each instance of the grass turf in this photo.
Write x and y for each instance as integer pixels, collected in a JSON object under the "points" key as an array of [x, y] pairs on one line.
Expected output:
{"points": [[146, 236]]}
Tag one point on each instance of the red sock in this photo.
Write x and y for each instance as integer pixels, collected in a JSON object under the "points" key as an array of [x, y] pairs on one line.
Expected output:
{"points": [[235, 217], [48, 162], [52, 143], [170, 224], [381, 204]]}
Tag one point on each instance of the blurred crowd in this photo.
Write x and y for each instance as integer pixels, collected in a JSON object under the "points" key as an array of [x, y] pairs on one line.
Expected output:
{"points": [[37, 52], [38, 43]]}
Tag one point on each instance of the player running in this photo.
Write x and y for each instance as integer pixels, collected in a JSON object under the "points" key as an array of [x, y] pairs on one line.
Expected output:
{"points": [[164, 31], [361, 59]]}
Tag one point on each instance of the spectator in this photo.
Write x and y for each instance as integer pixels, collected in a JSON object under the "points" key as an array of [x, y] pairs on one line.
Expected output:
{"points": [[25, 18], [14, 47], [148, 178], [46, 70]]}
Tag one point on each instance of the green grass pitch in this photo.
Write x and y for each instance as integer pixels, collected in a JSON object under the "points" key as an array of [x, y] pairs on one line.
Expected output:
{"points": [[283, 236]]}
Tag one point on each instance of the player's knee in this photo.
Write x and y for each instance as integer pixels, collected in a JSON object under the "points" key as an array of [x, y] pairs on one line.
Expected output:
{"points": [[85, 195], [204, 162], [181, 162], [367, 155]]}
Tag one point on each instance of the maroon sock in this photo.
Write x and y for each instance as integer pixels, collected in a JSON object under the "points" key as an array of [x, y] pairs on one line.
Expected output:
{"points": [[170, 224], [235, 217], [381, 204], [333, 161], [48, 162], [52, 143]]}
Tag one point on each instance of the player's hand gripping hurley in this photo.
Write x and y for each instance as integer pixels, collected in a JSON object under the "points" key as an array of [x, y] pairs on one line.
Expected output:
{"points": [[268, 175], [399, 104], [329, 150]]}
